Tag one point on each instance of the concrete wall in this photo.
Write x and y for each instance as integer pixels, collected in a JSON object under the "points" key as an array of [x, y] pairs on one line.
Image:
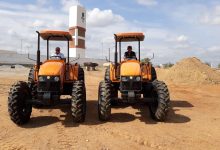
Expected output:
{"points": [[8, 57]]}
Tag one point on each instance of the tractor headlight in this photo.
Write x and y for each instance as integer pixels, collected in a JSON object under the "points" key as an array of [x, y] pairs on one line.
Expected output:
{"points": [[124, 79], [41, 79], [138, 78], [56, 79]]}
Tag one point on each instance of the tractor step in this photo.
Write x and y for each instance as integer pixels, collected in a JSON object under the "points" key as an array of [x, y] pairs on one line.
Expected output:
{"points": [[149, 100], [61, 102]]}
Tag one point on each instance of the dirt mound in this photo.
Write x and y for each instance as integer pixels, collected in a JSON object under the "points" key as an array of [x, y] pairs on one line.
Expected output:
{"points": [[191, 70]]}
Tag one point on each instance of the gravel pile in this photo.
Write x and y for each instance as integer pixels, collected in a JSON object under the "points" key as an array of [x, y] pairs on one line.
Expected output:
{"points": [[190, 70]]}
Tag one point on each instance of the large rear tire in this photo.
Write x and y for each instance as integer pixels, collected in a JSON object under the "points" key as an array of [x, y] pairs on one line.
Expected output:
{"points": [[114, 97], [104, 101], [153, 74], [81, 75], [161, 101], [18, 107], [78, 102]]}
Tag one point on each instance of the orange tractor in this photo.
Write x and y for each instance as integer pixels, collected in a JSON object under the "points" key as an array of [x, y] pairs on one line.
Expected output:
{"points": [[134, 80], [47, 81]]}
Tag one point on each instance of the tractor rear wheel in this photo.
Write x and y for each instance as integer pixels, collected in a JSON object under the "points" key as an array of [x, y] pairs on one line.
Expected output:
{"points": [[161, 101], [78, 102], [81, 74], [153, 74], [104, 101], [18, 107], [114, 97]]}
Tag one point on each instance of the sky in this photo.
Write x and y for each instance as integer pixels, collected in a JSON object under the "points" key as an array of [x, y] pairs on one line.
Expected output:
{"points": [[173, 29]]}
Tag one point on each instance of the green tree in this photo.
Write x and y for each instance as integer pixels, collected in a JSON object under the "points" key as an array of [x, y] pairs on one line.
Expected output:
{"points": [[219, 66]]}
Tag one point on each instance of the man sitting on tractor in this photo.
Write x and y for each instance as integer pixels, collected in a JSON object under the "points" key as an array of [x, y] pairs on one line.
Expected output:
{"points": [[58, 54], [130, 54]]}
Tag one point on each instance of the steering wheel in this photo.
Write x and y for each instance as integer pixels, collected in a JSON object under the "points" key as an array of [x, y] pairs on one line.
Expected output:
{"points": [[131, 58], [56, 57]]}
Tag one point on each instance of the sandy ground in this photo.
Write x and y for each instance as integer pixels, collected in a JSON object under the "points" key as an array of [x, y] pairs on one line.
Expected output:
{"points": [[193, 122]]}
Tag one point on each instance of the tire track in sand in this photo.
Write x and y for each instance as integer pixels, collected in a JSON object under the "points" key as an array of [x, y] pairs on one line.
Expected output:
{"points": [[11, 143], [134, 139], [65, 140]]}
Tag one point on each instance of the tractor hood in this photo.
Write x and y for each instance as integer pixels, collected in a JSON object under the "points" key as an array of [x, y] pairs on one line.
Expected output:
{"points": [[130, 68], [51, 68]]}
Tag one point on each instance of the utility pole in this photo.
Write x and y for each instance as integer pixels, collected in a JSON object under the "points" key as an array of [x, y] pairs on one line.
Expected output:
{"points": [[28, 49], [21, 45], [109, 56], [102, 49]]}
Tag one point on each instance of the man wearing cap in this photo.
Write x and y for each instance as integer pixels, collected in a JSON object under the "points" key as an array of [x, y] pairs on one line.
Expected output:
{"points": [[130, 54], [58, 54]]}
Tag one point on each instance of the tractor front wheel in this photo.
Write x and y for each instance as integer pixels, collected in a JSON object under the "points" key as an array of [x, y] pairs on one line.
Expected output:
{"points": [[104, 101], [107, 74], [33, 87], [18, 107], [78, 102], [161, 101]]}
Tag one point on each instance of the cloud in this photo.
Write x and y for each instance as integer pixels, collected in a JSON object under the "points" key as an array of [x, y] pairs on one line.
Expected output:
{"points": [[211, 16], [147, 2], [67, 3], [158, 33], [22, 22], [103, 18], [176, 39], [214, 49], [56, 24], [43, 2], [166, 42], [182, 38], [22, 18], [101, 26], [38, 23]]}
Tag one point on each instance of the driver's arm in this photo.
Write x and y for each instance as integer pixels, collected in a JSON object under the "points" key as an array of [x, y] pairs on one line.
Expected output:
{"points": [[134, 55], [62, 56]]}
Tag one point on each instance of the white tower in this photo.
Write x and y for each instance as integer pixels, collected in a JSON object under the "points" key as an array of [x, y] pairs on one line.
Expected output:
{"points": [[77, 28]]}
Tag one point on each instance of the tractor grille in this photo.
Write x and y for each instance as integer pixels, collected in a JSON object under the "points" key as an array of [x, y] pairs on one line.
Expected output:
{"points": [[48, 85], [130, 85]]}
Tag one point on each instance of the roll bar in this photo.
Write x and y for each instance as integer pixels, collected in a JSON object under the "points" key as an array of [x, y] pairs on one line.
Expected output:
{"points": [[48, 39]]}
